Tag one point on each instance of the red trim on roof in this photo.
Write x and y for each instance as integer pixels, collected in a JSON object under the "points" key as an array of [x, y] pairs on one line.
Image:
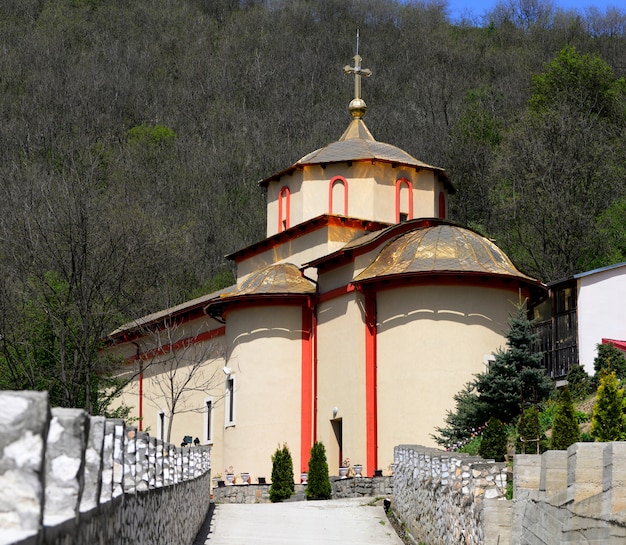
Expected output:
{"points": [[302, 229], [620, 345], [182, 343]]}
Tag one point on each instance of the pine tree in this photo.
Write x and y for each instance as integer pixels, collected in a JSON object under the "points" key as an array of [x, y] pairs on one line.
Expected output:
{"points": [[516, 378], [609, 359], [608, 422], [318, 486], [531, 439], [565, 431], [493, 444], [282, 486]]}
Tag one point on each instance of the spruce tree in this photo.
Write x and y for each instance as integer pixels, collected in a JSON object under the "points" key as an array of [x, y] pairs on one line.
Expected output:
{"points": [[516, 378], [565, 431], [609, 359], [318, 486], [493, 443], [607, 421], [282, 486], [531, 438]]}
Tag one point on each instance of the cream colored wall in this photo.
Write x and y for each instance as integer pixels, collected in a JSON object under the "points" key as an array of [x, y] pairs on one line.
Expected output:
{"points": [[299, 250], [431, 340], [371, 192], [265, 359], [190, 415], [341, 377]]}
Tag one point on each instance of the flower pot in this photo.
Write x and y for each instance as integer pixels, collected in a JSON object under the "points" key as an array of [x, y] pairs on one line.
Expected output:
{"points": [[304, 477], [245, 478], [358, 469], [378, 473], [230, 478], [343, 472]]}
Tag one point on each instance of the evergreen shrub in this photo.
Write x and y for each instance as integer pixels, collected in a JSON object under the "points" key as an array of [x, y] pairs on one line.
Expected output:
{"points": [[318, 486], [282, 486], [607, 422], [565, 431], [493, 444]]}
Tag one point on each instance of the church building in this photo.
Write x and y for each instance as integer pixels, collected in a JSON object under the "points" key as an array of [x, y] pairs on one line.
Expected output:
{"points": [[354, 322]]}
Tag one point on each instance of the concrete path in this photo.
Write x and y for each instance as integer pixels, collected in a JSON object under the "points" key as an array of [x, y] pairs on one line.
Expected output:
{"points": [[350, 521]]}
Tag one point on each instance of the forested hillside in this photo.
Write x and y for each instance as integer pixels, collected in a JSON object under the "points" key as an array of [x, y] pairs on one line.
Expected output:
{"points": [[133, 135]]}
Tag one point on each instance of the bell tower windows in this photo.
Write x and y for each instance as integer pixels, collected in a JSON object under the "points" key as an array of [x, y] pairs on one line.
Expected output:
{"points": [[338, 196], [404, 200]]}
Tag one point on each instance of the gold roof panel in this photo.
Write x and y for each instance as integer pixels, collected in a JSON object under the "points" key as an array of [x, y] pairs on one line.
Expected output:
{"points": [[441, 249], [284, 278]]}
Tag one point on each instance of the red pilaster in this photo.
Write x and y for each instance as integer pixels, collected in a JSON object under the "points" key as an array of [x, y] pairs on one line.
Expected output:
{"points": [[371, 410], [306, 396]]}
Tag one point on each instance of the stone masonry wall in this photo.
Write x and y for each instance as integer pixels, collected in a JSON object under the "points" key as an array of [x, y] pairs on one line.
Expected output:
{"points": [[352, 487], [444, 498], [573, 496], [105, 482]]}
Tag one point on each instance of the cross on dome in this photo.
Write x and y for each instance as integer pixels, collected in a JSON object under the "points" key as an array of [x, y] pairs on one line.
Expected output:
{"points": [[357, 106]]}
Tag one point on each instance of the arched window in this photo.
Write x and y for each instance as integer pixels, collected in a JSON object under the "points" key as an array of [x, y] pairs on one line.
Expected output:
{"points": [[338, 194], [442, 205], [284, 208], [404, 200]]}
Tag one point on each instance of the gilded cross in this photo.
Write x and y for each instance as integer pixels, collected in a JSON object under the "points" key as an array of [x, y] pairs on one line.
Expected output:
{"points": [[357, 71]]}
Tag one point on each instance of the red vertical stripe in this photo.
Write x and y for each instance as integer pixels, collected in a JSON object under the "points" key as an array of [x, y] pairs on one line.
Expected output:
{"points": [[371, 413], [306, 412]]}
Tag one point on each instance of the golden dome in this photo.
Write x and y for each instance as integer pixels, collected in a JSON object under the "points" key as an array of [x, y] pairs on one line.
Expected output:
{"points": [[284, 278], [443, 248]]}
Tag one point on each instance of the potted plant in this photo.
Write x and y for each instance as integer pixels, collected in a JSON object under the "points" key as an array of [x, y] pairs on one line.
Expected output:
{"points": [[230, 476], [344, 468]]}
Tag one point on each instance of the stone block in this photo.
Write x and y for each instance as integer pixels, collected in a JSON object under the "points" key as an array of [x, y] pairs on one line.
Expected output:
{"points": [[584, 470], [130, 458], [65, 459], [614, 477], [118, 457], [553, 471], [106, 488], [93, 464], [24, 422]]}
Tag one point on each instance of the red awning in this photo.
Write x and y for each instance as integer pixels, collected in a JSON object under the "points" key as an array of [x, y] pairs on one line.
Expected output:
{"points": [[620, 345]]}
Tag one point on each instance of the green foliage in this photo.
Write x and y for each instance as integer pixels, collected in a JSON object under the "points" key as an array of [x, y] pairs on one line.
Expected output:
{"points": [[151, 135], [531, 437], [608, 422], [609, 359], [565, 431], [318, 485], [472, 446], [578, 382], [516, 378], [494, 441], [282, 486]]}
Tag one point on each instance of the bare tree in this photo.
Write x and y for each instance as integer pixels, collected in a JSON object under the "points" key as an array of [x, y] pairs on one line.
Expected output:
{"points": [[179, 367]]}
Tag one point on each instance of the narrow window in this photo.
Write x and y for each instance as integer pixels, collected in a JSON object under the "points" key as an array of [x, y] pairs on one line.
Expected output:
{"points": [[230, 401], [284, 208], [161, 424], [442, 205], [208, 421], [338, 196], [404, 200]]}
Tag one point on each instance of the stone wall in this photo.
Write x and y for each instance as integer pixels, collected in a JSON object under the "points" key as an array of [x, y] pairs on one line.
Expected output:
{"points": [[105, 482], [444, 498], [573, 496], [352, 487]]}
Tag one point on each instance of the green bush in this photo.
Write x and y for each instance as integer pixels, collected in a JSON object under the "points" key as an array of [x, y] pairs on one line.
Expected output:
{"points": [[493, 444], [609, 359], [578, 382], [282, 486], [565, 431], [531, 437], [607, 422], [318, 486]]}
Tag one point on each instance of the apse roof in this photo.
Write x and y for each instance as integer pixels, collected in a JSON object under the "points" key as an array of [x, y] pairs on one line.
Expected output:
{"points": [[444, 248], [283, 278]]}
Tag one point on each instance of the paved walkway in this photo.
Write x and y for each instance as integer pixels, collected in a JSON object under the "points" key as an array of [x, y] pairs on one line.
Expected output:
{"points": [[350, 521]]}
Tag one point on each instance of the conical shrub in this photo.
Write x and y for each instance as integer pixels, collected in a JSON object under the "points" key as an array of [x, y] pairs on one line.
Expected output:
{"points": [[318, 487], [282, 486]]}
